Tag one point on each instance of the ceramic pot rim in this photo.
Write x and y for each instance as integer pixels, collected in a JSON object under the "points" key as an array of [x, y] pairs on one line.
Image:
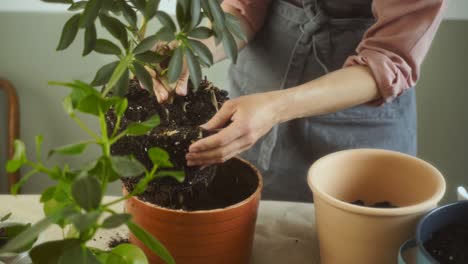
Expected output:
{"points": [[406, 210], [421, 222], [202, 212]]}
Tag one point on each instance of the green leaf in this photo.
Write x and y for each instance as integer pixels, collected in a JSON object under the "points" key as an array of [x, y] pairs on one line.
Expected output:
{"points": [[181, 15], [202, 51], [77, 254], [24, 239], [121, 106], [69, 31], [71, 149], [165, 34], [85, 221], [149, 57], [115, 27], [166, 20], [50, 252], [58, 1], [201, 33], [233, 24], [5, 217], [129, 13], [13, 230], [127, 254], [230, 46], [143, 76], [218, 34], [48, 194], [87, 192], [116, 220], [175, 66], [195, 12], [106, 47], [90, 39], [79, 91], [194, 68], [184, 4], [139, 4], [146, 44], [151, 242], [178, 175], [151, 8], [90, 13], [126, 167], [217, 12], [112, 6], [19, 157], [77, 6], [138, 129], [121, 87], [206, 9], [104, 73], [92, 103], [159, 157]]}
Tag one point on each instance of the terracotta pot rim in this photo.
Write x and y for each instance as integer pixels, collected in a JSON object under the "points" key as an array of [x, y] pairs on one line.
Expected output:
{"points": [[211, 211], [405, 210]]}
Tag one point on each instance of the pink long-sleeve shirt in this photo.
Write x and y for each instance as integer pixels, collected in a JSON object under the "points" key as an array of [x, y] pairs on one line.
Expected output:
{"points": [[393, 48]]}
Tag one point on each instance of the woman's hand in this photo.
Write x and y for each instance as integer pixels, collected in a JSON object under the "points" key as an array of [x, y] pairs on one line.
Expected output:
{"points": [[251, 117], [180, 88], [161, 90]]}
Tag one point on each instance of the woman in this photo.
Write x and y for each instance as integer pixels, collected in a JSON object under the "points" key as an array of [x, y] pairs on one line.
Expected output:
{"points": [[318, 76]]}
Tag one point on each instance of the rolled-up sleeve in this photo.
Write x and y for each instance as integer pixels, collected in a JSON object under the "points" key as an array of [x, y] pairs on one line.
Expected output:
{"points": [[254, 11], [395, 46]]}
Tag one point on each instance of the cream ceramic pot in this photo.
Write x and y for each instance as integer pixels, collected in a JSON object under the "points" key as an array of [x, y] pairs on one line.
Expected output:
{"points": [[354, 234]]}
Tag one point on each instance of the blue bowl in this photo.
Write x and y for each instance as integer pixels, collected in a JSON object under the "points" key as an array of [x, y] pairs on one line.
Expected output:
{"points": [[430, 223]]}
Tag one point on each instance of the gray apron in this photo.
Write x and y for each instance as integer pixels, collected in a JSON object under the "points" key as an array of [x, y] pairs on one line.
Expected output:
{"points": [[299, 44]]}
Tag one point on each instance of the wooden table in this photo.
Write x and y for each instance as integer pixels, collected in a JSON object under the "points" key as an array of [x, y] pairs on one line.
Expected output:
{"points": [[285, 231]]}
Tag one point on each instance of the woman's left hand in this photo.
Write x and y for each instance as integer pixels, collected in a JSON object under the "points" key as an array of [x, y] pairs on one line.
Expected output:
{"points": [[251, 117]]}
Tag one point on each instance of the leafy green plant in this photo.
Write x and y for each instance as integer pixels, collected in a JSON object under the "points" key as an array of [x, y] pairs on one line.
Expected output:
{"points": [[75, 202]]}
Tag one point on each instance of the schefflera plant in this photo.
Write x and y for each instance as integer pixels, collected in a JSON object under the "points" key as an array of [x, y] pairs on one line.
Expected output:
{"points": [[74, 202], [137, 54]]}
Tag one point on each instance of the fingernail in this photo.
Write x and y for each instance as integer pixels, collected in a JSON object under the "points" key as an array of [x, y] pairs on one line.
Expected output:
{"points": [[190, 163]]}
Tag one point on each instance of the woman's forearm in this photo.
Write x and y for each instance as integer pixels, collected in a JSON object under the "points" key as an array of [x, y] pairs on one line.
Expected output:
{"points": [[338, 90], [218, 50]]}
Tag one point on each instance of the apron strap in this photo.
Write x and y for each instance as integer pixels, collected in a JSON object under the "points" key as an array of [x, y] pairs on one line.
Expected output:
{"points": [[296, 63]]}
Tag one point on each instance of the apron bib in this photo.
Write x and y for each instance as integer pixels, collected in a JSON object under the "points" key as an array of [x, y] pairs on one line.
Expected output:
{"points": [[297, 45]]}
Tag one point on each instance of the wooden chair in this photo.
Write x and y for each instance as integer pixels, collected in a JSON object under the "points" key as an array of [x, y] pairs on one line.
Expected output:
{"points": [[13, 124]]}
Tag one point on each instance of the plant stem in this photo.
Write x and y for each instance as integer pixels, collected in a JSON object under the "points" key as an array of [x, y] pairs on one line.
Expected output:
{"points": [[117, 126], [84, 127], [142, 31], [117, 200]]}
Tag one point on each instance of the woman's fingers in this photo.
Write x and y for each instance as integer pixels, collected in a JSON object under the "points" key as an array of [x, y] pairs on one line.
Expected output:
{"points": [[160, 91], [218, 155], [220, 118], [181, 85], [220, 139]]}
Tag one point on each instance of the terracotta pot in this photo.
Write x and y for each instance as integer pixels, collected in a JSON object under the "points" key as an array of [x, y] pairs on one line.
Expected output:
{"points": [[355, 234], [206, 236]]}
